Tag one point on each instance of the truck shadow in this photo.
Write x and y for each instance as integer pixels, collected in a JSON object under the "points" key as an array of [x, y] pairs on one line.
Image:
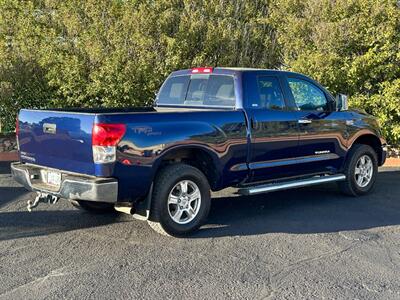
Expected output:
{"points": [[5, 167], [9, 194], [319, 209], [22, 224]]}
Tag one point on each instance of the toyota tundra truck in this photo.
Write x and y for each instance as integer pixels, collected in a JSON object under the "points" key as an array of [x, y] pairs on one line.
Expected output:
{"points": [[210, 128]]}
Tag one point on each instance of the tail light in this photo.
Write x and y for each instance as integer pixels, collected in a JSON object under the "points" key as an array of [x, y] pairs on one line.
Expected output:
{"points": [[105, 138]]}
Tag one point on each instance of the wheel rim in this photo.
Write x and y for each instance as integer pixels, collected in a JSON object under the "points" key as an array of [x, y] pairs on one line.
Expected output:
{"points": [[364, 171], [184, 202]]}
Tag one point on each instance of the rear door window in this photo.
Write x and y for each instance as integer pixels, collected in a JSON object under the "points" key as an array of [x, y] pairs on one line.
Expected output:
{"points": [[198, 90], [269, 94]]}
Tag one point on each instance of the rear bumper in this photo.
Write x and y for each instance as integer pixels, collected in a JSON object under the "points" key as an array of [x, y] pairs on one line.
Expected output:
{"points": [[73, 186]]}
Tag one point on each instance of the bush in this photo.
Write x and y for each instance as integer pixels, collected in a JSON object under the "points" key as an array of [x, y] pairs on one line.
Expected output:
{"points": [[351, 47], [76, 53], [385, 105], [117, 53]]}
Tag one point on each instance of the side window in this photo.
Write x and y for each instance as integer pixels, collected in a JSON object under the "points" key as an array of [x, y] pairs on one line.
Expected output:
{"points": [[307, 96], [269, 94]]}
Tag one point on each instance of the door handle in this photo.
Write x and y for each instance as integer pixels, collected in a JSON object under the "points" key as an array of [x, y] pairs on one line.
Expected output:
{"points": [[305, 121]]}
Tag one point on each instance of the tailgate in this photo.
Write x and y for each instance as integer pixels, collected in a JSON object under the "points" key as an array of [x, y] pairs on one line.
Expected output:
{"points": [[56, 139]]}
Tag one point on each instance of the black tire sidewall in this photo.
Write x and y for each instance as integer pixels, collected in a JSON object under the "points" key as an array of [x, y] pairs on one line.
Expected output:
{"points": [[171, 176], [358, 153]]}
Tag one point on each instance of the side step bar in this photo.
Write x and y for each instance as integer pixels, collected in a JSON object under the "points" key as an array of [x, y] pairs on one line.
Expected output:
{"points": [[271, 187]]}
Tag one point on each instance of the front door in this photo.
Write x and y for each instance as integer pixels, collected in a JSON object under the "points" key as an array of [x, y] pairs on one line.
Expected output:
{"points": [[274, 129], [322, 129]]}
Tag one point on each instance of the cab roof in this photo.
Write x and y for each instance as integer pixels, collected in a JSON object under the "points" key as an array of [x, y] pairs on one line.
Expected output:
{"points": [[228, 70]]}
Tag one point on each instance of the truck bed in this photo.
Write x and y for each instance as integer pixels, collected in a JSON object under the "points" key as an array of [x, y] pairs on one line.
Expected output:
{"points": [[62, 139]]}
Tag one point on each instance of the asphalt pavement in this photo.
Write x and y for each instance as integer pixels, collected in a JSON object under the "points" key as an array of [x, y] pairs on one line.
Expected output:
{"points": [[310, 243]]}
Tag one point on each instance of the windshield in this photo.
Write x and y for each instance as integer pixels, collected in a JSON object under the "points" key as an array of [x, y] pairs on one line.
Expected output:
{"points": [[198, 90]]}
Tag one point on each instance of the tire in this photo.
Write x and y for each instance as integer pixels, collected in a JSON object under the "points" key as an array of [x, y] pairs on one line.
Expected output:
{"points": [[351, 186], [94, 207], [174, 211]]}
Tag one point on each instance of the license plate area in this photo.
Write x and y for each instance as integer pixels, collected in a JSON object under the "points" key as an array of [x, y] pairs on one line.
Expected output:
{"points": [[45, 179], [52, 178]]}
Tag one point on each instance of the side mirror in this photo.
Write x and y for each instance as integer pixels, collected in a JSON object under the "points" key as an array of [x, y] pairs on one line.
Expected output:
{"points": [[342, 102]]}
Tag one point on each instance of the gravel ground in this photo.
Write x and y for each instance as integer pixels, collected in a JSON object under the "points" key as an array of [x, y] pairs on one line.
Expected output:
{"points": [[307, 243]]}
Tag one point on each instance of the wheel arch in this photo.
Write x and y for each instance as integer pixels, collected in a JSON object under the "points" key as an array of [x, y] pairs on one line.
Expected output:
{"points": [[374, 142], [197, 156]]}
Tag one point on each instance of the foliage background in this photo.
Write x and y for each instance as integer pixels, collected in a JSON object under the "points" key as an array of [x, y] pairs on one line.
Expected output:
{"points": [[75, 53]]}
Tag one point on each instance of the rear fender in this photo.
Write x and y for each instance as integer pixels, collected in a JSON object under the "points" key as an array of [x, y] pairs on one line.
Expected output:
{"points": [[142, 208], [216, 160]]}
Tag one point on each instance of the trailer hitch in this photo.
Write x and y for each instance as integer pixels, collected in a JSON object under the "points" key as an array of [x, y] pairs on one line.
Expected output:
{"points": [[41, 198]]}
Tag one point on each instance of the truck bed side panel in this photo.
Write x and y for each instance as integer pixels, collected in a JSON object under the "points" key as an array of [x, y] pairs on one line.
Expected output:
{"points": [[151, 136]]}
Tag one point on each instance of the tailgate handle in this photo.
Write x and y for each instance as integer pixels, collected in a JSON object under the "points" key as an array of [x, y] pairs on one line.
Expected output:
{"points": [[49, 128]]}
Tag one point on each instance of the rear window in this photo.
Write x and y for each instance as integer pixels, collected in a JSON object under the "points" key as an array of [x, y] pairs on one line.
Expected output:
{"points": [[198, 90]]}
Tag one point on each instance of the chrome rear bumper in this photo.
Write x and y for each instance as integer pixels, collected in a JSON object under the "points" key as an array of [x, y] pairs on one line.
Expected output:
{"points": [[73, 186]]}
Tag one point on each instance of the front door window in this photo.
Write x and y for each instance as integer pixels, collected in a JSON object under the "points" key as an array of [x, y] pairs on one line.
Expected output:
{"points": [[307, 96]]}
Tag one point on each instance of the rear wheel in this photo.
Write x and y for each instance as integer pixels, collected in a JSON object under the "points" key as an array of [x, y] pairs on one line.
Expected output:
{"points": [[94, 207], [181, 200], [361, 169]]}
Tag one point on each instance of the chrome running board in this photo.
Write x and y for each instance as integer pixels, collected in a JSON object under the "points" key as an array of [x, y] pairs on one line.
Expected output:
{"points": [[272, 187]]}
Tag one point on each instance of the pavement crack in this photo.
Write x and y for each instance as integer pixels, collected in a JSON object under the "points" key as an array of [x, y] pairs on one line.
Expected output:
{"points": [[388, 254], [276, 279], [365, 286], [359, 236], [37, 281]]}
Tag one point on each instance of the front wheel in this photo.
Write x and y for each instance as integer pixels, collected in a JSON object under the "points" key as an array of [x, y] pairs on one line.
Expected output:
{"points": [[181, 200], [361, 169]]}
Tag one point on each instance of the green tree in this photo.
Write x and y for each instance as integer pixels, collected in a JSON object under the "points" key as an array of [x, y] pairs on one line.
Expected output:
{"points": [[117, 53], [76, 53], [22, 79]]}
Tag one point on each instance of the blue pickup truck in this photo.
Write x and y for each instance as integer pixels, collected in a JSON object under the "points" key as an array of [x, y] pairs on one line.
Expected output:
{"points": [[210, 128]]}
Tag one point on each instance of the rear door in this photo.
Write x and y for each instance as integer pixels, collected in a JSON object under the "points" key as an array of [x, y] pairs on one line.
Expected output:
{"points": [[274, 128], [59, 140], [322, 130]]}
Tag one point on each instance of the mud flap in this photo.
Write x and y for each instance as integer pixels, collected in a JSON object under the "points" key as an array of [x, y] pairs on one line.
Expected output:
{"points": [[142, 208]]}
